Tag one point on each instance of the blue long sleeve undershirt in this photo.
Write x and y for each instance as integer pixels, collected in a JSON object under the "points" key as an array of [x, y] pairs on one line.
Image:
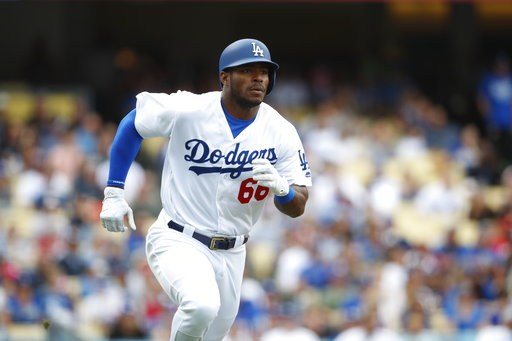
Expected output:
{"points": [[123, 151]]}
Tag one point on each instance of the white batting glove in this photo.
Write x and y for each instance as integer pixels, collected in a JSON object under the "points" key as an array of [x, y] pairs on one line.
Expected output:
{"points": [[267, 175], [114, 209]]}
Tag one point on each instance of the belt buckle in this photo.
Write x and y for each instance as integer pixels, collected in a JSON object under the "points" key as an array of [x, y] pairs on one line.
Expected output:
{"points": [[214, 240]]}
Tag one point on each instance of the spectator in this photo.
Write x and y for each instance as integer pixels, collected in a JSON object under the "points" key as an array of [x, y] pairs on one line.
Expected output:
{"points": [[391, 293], [291, 263], [87, 132], [286, 326], [495, 104], [444, 195], [66, 157], [318, 273], [73, 263], [494, 333], [464, 310], [254, 303], [126, 327], [439, 132], [25, 305], [368, 329], [469, 154]]}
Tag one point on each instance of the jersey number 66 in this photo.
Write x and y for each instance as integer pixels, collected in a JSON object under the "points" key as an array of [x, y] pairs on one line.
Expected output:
{"points": [[247, 191]]}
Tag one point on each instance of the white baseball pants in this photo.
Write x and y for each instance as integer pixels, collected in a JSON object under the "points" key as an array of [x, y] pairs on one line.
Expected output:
{"points": [[205, 284]]}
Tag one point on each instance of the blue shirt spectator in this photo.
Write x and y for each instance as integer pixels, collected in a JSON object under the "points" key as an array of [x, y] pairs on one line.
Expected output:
{"points": [[495, 95], [25, 306]]}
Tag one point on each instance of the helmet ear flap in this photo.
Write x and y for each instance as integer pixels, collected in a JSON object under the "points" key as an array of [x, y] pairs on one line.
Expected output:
{"points": [[271, 80], [245, 51]]}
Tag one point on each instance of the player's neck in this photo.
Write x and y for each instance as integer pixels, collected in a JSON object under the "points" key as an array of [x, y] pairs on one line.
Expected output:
{"points": [[235, 109]]}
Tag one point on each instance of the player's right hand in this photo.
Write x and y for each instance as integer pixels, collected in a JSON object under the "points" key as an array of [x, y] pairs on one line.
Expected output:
{"points": [[114, 209]]}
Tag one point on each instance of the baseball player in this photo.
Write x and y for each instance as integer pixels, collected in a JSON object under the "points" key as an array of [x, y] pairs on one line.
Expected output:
{"points": [[228, 153]]}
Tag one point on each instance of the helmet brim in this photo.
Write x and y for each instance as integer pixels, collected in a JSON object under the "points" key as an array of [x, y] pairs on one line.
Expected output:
{"points": [[273, 66]]}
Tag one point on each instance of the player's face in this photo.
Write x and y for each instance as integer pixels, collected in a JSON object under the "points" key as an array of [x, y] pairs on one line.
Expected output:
{"points": [[248, 83]]}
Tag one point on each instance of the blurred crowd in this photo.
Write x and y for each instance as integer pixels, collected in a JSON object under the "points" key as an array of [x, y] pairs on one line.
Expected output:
{"points": [[406, 235]]}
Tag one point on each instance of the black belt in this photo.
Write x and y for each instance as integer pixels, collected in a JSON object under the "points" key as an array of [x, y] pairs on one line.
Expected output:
{"points": [[213, 243]]}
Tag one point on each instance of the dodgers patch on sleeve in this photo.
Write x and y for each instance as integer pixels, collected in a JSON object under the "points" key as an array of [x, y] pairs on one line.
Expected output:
{"points": [[304, 164]]}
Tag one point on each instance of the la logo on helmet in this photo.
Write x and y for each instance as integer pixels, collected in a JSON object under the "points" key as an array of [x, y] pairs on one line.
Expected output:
{"points": [[256, 50]]}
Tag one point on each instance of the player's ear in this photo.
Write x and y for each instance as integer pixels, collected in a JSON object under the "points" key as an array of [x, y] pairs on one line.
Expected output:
{"points": [[223, 77]]}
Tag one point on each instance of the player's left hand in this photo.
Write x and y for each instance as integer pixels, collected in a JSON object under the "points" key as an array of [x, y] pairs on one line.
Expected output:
{"points": [[114, 209], [267, 175]]}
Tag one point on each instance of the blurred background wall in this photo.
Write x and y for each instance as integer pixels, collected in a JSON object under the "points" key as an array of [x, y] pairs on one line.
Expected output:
{"points": [[442, 45]]}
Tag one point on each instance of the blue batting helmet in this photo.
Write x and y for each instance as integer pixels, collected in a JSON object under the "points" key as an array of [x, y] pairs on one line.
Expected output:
{"points": [[245, 51]]}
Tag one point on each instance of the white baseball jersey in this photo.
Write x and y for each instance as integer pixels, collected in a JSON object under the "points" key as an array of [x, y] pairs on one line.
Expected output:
{"points": [[207, 177]]}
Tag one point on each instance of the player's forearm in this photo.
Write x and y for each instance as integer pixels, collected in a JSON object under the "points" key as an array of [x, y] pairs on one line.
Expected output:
{"points": [[296, 206], [123, 151]]}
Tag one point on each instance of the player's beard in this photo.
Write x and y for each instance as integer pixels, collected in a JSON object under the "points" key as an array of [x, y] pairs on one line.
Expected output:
{"points": [[245, 101]]}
